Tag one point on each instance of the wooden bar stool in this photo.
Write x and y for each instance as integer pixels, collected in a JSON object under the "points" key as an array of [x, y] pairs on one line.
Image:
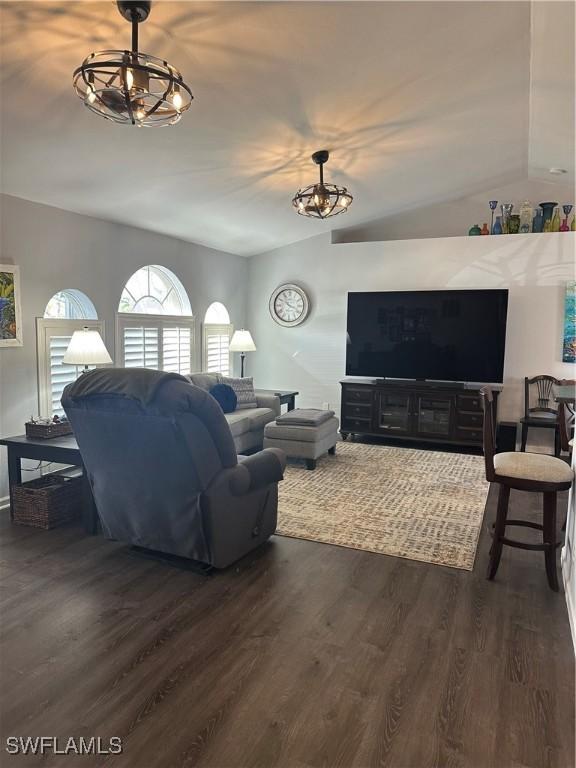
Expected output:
{"points": [[525, 472]]}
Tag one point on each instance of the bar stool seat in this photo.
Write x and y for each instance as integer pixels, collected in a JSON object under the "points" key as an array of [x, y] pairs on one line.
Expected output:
{"points": [[537, 467]]}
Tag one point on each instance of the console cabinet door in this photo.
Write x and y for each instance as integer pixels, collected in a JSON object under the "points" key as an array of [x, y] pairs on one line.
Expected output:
{"points": [[393, 413], [433, 415]]}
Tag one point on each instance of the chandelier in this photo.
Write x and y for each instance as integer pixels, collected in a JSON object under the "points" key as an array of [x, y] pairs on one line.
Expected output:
{"points": [[129, 86], [321, 200]]}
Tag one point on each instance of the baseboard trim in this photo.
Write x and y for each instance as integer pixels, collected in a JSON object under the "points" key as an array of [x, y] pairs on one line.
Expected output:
{"points": [[571, 607]]}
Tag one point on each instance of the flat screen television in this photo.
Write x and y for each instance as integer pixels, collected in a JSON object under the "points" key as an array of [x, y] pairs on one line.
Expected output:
{"points": [[437, 335]]}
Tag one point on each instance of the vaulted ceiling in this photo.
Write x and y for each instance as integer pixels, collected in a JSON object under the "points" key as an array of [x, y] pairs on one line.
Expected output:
{"points": [[417, 101]]}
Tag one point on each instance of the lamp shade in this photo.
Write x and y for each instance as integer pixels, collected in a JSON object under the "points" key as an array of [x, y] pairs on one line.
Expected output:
{"points": [[242, 341], [86, 348]]}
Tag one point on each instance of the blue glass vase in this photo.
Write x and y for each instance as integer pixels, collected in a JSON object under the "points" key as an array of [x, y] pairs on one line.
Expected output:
{"points": [[497, 228], [538, 221]]}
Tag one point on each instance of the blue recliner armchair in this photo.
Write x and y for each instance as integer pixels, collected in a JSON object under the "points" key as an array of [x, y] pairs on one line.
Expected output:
{"points": [[163, 467]]}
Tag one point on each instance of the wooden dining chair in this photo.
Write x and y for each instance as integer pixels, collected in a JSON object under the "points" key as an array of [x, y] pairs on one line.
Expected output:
{"points": [[535, 472], [539, 407]]}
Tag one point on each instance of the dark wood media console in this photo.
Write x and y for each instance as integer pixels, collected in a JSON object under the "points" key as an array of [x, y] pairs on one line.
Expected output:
{"points": [[413, 410]]}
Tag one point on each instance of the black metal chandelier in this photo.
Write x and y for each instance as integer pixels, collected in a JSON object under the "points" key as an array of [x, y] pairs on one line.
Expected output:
{"points": [[132, 87], [321, 200]]}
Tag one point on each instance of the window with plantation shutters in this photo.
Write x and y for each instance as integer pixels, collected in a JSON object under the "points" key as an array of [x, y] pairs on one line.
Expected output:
{"points": [[155, 325], [216, 335], [53, 337], [163, 343], [217, 348]]}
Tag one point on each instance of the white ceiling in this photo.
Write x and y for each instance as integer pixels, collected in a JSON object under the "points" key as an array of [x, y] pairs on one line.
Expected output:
{"points": [[417, 101]]}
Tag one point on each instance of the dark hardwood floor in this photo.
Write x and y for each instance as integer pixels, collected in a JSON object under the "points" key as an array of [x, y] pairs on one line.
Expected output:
{"points": [[303, 656]]}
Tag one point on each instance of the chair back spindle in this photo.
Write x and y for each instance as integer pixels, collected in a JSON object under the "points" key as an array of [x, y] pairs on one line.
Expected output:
{"points": [[538, 395]]}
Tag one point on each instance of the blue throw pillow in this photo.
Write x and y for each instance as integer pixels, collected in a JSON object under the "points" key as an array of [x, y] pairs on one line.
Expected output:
{"points": [[225, 396]]}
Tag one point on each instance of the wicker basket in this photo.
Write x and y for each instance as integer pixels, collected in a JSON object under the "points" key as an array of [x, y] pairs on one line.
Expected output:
{"points": [[48, 501], [54, 429]]}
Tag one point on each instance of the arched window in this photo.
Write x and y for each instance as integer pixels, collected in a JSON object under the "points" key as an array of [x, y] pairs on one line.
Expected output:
{"points": [[155, 290], [70, 304], [155, 325], [216, 335], [67, 311]]}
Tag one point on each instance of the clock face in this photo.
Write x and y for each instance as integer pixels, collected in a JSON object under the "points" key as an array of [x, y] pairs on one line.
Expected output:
{"points": [[289, 305]]}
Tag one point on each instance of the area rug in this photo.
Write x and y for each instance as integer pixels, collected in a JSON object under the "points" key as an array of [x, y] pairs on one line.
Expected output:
{"points": [[421, 505]]}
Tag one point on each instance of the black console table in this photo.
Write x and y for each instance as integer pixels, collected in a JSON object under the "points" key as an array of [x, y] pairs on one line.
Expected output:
{"points": [[412, 410], [61, 450]]}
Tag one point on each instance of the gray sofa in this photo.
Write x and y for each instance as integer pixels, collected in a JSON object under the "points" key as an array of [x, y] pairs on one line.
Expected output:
{"points": [[247, 425], [163, 466]]}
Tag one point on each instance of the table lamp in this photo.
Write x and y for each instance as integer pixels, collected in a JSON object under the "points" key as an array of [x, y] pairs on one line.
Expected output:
{"points": [[242, 341], [86, 348]]}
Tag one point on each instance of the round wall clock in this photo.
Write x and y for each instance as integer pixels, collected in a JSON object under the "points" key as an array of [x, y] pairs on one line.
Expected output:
{"points": [[289, 305]]}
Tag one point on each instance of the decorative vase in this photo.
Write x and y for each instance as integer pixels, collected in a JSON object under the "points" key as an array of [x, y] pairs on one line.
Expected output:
{"points": [[564, 226], [555, 225], [497, 228], [573, 225], [506, 209], [475, 230], [538, 220], [485, 230], [514, 224], [493, 204], [525, 217], [547, 213]]}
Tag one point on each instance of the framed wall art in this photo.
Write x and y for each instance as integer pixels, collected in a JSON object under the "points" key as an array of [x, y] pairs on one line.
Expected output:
{"points": [[10, 311], [569, 343]]}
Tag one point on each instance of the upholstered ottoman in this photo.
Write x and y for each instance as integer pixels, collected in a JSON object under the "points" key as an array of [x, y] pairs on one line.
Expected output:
{"points": [[303, 434]]}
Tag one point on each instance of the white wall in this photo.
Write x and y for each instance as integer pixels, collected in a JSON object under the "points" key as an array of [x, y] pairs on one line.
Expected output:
{"points": [[57, 249], [311, 357]]}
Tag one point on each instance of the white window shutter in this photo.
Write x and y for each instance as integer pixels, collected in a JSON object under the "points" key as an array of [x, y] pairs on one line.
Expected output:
{"points": [[176, 349], [53, 337], [141, 347], [60, 375], [161, 342], [217, 348]]}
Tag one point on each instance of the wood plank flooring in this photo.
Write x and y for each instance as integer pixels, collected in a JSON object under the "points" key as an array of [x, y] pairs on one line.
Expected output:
{"points": [[303, 656]]}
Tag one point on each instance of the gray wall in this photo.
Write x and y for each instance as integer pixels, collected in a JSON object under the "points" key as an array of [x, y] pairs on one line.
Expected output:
{"points": [[311, 357], [56, 249]]}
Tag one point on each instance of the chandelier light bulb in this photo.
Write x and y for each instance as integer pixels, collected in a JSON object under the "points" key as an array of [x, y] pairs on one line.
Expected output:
{"points": [[321, 200], [90, 92], [129, 79], [177, 98]]}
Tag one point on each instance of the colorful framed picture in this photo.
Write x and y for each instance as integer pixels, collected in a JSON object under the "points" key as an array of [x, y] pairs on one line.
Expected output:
{"points": [[569, 345], [10, 312]]}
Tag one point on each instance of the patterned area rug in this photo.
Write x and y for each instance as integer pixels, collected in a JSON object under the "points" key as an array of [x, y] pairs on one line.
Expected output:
{"points": [[421, 505]]}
